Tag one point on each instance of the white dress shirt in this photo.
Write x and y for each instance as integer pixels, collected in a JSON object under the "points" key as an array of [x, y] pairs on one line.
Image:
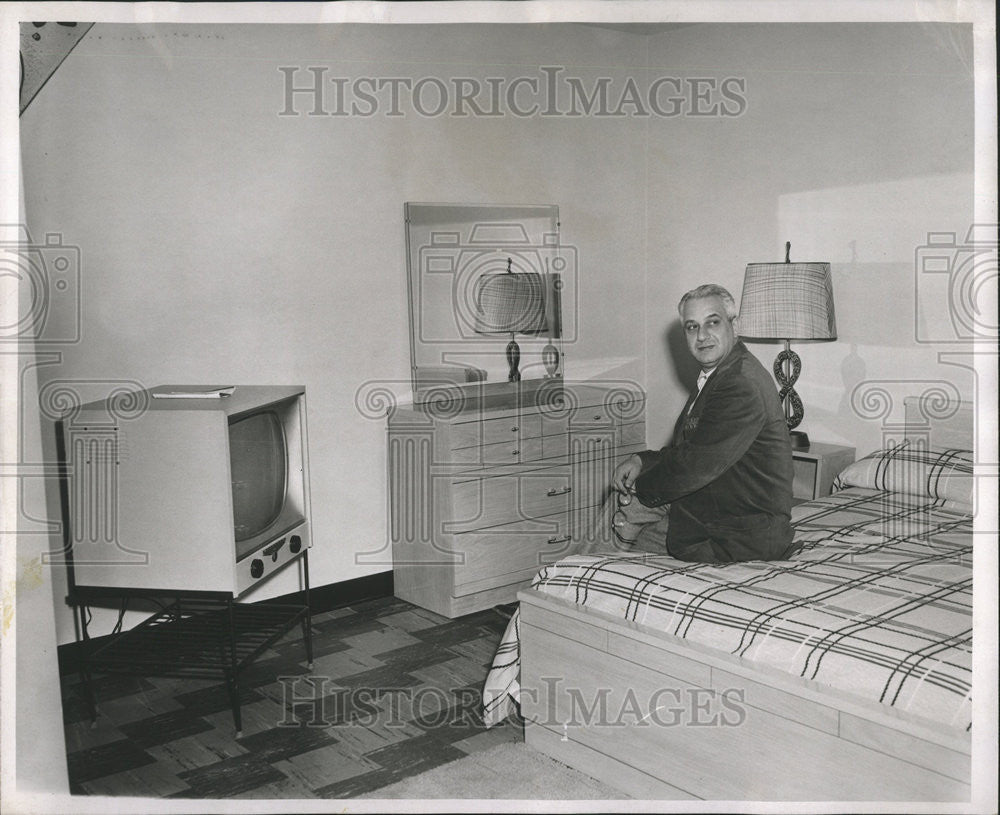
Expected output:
{"points": [[702, 379]]}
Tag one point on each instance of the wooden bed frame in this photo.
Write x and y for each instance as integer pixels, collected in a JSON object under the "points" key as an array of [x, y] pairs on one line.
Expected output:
{"points": [[660, 717]]}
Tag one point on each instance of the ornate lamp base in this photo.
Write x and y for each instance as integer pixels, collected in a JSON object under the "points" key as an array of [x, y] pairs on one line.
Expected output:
{"points": [[787, 367]]}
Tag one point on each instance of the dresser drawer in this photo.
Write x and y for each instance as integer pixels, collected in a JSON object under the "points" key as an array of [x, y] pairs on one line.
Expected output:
{"points": [[487, 502], [557, 425], [596, 417], [491, 455], [594, 425], [580, 443], [493, 431], [490, 556], [593, 417]]}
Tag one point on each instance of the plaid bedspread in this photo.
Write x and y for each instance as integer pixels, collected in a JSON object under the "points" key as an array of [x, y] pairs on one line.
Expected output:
{"points": [[877, 603]]}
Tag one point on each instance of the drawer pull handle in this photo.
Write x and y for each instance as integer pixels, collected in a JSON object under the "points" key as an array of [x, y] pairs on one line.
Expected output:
{"points": [[598, 417], [555, 491], [514, 429], [563, 539], [515, 452]]}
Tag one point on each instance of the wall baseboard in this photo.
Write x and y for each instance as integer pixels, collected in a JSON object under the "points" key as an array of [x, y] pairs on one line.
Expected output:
{"points": [[321, 599], [338, 595]]}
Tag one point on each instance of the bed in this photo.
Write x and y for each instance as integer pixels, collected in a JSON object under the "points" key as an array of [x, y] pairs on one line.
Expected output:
{"points": [[841, 674]]}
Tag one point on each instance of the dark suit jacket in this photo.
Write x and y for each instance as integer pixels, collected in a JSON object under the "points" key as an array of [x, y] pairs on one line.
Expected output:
{"points": [[727, 474]]}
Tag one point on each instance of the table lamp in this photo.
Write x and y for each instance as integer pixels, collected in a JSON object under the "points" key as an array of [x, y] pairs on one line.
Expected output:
{"points": [[511, 303], [782, 302]]}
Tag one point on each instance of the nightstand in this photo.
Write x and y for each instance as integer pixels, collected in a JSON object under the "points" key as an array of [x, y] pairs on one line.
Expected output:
{"points": [[814, 469]]}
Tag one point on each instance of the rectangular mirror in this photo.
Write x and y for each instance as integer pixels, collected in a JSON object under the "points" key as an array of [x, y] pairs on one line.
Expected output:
{"points": [[486, 283]]}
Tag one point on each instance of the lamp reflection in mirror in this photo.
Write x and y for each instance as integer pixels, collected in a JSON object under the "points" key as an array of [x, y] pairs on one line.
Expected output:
{"points": [[511, 303], [782, 302]]}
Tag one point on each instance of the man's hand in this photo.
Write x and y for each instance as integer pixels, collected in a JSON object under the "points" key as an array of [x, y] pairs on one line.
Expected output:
{"points": [[626, 473]]}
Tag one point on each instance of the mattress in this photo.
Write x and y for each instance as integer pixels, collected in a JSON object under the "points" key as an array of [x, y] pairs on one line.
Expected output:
{"points": [[877, 603]]}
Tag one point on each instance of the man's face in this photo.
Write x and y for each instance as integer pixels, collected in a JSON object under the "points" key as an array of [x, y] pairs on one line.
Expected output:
{"points": [[710, 334]]}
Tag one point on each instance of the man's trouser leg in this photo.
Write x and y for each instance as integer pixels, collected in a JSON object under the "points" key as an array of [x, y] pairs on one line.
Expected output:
{"points": [[622, 524], [636, 526]]}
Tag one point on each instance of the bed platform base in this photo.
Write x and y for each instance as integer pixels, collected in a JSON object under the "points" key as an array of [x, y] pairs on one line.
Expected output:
{"points": [[662, 718]]}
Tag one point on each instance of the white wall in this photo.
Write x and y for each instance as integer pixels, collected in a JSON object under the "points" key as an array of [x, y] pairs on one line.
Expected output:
{"points": [[855, 143], [35, 777], [224, 243]]}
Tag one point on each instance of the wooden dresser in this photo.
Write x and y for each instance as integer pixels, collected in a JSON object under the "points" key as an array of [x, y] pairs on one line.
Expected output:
{"points": [[488, 487]]}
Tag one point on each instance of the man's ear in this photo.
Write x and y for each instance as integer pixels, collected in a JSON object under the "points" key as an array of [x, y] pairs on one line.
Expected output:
{"points": [[736, 325]]}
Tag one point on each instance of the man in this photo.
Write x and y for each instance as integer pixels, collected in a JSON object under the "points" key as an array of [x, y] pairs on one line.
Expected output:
{"points": [[727, 475]]}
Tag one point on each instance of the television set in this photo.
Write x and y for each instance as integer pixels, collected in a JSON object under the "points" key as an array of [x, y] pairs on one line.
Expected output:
{"points": [[182, 488]]}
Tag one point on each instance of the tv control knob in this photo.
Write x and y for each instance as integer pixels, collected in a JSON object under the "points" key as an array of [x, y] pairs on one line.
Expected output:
{"points": [[295, 544], [256, 567]]}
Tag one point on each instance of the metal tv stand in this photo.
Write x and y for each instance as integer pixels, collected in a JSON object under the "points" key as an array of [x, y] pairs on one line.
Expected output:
{"points": [[195, 635]]}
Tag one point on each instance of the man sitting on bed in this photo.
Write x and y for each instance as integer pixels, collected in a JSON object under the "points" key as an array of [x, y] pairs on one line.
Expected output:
{"points": [[727, 475]]}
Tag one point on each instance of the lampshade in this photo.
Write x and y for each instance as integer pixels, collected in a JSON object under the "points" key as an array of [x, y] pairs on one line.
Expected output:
{"points": [[787, 301], [509, 303]]}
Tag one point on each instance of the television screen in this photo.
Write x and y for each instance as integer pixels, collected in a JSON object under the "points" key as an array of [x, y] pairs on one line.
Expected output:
{"points": [[257, 451]]}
